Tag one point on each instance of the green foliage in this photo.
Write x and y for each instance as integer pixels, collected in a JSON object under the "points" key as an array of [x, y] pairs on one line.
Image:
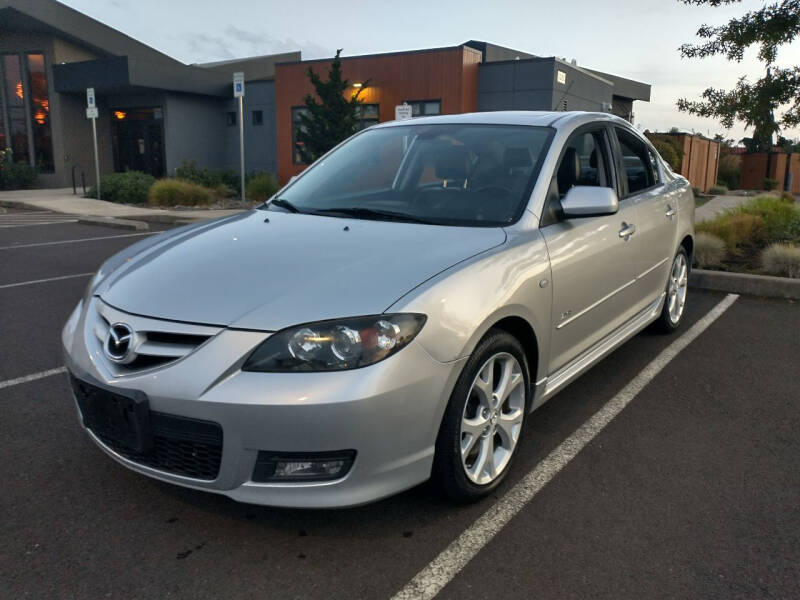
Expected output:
{"points": [[179, 192], [729, 171], [770, 27], [15, 176], [709, 250], [769, 184], [782, 260], [130, 187], [668, 152], [735, 229], [210, 178], [331, 120], [780, 217], [717, 190], [261, 187]]}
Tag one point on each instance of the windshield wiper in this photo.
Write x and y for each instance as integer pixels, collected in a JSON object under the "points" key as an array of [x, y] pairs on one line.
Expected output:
{"points": [[371, 213], [283, 203]]}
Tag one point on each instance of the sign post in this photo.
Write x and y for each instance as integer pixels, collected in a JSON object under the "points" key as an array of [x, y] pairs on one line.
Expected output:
{"points": [[91, 113], [402, 112], [238, 92]]}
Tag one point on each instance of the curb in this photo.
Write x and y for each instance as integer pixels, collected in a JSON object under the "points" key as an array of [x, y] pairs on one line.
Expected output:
{"points": [[743, 283], [114, 223]]}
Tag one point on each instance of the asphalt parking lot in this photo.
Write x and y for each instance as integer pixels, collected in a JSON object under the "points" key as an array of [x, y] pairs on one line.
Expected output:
{"points": [[692, 490]]}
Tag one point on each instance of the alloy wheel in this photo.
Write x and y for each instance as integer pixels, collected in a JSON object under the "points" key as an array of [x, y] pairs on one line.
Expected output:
{"points": [[492, 418], [676, 289]]}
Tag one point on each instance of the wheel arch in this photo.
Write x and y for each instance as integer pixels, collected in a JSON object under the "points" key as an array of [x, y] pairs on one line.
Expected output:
{"points": [[688, 244]]}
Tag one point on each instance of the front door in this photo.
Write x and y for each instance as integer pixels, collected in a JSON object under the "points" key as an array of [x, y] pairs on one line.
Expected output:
{"points": [[592, 266], [138, 140]]}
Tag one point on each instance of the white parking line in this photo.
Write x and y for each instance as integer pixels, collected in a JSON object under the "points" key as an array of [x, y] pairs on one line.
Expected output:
{"points": [[105, 237], [37, 224], [11, 285], [33, 377], [430, 580]]}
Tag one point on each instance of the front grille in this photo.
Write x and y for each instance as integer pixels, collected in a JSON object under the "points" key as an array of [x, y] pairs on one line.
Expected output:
{"points": [[181, 446], [156, 342]]}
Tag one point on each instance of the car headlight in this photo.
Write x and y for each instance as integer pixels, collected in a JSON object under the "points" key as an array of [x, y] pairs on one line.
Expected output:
{"points": [[335, 345]]}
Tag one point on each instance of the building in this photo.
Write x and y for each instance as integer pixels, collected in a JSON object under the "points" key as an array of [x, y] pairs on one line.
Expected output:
{"points": [[156, 113], [475, 76]]}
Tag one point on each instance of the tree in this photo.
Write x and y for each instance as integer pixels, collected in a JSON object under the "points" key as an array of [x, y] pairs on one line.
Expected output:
{"points": [[755, 103], [331, 120]]}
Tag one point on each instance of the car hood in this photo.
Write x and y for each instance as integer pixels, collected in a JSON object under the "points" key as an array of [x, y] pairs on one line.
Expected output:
{"points": [[248, 273]]}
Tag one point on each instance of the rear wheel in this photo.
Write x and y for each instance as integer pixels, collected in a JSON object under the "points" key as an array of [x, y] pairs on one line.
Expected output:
{"points": [[482, 425], [675, 300]]}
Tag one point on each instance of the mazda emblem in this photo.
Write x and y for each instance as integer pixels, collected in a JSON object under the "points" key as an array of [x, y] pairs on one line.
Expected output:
{"points": [[119, 343]]}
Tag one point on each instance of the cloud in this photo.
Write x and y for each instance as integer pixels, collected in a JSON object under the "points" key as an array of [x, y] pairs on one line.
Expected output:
{"points": [[236, 42]]}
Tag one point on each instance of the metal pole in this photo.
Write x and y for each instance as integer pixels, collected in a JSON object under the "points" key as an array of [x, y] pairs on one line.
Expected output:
{"points": [[96, 156], [241, 140]]}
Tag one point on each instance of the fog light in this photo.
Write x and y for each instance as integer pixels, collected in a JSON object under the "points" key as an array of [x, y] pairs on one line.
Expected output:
{"points": [[302, 466]]}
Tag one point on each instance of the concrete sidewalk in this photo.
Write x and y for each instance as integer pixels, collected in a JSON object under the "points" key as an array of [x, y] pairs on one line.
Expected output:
{"points": [[64, 201], [718, 205]]}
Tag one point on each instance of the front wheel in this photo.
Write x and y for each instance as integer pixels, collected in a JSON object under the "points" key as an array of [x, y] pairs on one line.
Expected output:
{"points": [[482, 424], [675, 301]]}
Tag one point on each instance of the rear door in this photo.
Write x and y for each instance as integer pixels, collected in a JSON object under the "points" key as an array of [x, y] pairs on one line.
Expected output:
{"points": [[592, 265], [656, 229]]}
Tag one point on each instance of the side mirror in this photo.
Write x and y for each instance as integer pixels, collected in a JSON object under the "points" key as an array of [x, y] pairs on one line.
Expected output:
{"points": [[589, 201]]}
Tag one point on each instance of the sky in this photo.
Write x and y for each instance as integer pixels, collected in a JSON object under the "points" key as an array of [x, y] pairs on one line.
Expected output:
{"points": [[638, 39]]}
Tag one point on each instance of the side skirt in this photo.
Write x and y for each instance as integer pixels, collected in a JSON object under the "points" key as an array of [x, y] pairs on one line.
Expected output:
{"points": [[548, 387]]}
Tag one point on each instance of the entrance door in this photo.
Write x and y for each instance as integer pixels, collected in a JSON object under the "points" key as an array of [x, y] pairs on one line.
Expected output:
{"points": [[138, 139]]}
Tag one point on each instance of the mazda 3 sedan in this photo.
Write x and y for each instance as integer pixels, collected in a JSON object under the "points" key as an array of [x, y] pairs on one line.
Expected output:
{"points": [[393, 314]]}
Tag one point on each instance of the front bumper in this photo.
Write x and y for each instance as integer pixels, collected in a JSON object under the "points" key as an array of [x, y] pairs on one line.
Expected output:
{"points": [[388, 412]]}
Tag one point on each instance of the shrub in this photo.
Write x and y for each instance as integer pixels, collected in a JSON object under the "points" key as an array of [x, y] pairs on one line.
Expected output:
{"points": [[735, 229], [177, 192], [782, 260], [15, 176], [781, 218], [668, 152], [717, 190], [261, 187], [210, 178], [729, 171], [788, 197], [130, 187], [709, 250], [696, 191], [769, 184]]}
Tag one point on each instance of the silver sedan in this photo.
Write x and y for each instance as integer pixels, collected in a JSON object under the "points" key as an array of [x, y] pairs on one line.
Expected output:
{"points": [[394, 314]]}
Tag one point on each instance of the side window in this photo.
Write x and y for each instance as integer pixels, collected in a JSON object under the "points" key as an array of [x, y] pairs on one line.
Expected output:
{"points": [[582, 162], [637, 166]]}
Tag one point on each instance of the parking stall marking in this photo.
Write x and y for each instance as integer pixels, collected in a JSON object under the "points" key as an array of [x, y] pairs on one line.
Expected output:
{"points": [[439, 572], [32, 377], [21, 283], [92, 239]]}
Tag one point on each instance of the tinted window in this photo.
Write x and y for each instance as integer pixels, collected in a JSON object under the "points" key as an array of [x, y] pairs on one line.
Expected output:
{"points": [[637, 168], [445, 174], [582, 162]]}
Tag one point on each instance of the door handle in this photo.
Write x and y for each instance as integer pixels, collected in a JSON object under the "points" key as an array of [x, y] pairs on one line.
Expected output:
{"points": [[671, 212], [627, 231]]}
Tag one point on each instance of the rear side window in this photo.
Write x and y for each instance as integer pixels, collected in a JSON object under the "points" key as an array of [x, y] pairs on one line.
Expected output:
{"points": [[637, 167]]}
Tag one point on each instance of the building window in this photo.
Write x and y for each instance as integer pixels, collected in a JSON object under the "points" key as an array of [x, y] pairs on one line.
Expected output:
{"points": [[425, 108], [230, 118], [367, 115], [14, 109], [258, 117], [40, 113], [297, 125]]}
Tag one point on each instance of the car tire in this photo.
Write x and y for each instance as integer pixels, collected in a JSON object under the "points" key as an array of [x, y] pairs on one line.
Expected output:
{"points": [[676, 292], [483, 422]]}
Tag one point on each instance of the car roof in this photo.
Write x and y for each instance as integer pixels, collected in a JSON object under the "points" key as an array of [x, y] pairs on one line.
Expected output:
{"points": [[554, 119]]}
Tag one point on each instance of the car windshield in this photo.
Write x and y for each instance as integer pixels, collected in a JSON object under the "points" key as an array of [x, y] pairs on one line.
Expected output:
{"points": [[448, 174]]}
